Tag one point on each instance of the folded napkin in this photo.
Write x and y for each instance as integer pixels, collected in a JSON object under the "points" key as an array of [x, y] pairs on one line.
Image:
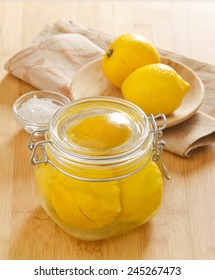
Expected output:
{"points": [[58, 52]]}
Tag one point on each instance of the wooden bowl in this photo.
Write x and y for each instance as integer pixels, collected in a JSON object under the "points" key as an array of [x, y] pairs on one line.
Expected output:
{"points": [[91, 82]]}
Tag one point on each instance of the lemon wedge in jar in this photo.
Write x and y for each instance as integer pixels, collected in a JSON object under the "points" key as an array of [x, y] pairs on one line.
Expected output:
{"points": [[90, 205], [86, 206], [141, 199], [43, 184], [99, 132]]}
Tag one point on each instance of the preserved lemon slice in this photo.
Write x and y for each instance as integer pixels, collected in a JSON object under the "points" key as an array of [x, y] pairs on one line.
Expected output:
{"points": [[141, 195], [100, 132], [86, 205], [43, 185]]}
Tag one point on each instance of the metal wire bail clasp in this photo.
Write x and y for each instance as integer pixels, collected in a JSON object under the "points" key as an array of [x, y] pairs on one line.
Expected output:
{"points": [[38, 148], [158, 146]]}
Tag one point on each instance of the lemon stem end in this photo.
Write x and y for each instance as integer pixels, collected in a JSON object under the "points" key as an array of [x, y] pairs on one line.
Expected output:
{"points": [[109, 52]]}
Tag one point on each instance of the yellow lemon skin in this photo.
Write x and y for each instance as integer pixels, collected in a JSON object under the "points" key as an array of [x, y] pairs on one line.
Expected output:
{"points": [[42, 178], [155, 88], [127, 53], [91, 206], [86, 206], [99, 132], [141, 195]]}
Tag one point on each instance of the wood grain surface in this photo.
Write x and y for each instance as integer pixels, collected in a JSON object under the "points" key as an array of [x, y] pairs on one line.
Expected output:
{"points": [[185, 226]]}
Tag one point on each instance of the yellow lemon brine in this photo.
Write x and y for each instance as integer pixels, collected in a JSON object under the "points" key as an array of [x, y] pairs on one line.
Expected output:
{"points": [[102, 180]]}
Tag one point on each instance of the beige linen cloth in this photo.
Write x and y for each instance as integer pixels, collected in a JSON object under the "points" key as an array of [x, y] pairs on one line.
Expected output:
{"points": [[59, 51]]}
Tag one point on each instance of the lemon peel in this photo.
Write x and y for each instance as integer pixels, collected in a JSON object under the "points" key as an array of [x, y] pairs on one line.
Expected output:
{"points": [[86, 206], [127, 53], [141, 199], [99, 132], [155, 88]]}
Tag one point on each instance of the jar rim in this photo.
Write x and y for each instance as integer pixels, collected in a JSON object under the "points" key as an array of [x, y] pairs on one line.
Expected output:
{"points": [[68, 114]]}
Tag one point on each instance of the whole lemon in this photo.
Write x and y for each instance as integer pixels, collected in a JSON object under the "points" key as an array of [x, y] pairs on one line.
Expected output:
{"points": [[155, 88], [127, 53]]}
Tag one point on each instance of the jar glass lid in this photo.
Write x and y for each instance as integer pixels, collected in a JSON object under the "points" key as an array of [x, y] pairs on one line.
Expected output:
{"points": [[99, 127]]}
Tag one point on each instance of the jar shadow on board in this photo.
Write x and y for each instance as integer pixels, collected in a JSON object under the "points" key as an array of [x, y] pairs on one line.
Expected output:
{"points": [[96, 171]]}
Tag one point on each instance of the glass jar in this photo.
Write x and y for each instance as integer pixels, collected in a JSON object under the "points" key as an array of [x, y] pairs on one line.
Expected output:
{"points": [[95, 174]]}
